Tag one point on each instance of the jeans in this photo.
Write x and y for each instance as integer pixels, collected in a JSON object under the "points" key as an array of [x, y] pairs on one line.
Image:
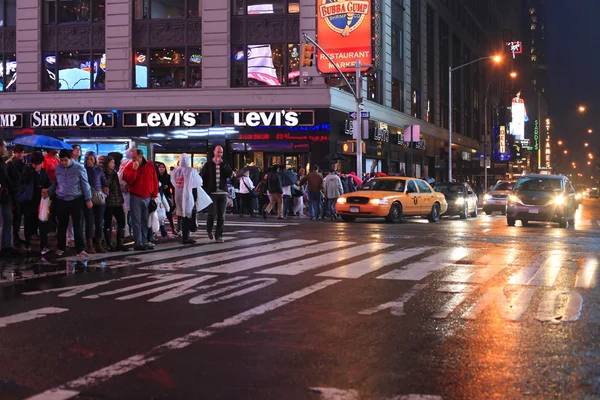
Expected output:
{"points": [[64, 210], [94, 221], [286, 205], [119, 214], [7, 217], [217, 210], [314, 202], [331, 205], [30, 214], [16, 221], [276, 198], [139, 219]]}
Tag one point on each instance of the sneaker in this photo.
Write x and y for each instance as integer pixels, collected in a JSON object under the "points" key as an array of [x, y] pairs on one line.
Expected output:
{"points": [[150, 246], [264, 214], [279, 217], [210, 235], [59, 253], [45, 251], [220, 240], [28, 248], [140, 248], [71, 244], [82, 253], [189, 241]]}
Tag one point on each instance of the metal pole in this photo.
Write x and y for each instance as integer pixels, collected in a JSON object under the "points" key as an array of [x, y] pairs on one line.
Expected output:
{"points": [[412, 164], [358, 130], [485, 135], [449, 124]]}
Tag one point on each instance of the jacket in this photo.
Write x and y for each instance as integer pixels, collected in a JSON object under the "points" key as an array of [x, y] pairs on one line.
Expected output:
{"points": [[314, 180], [71, 183], [209, 179], [274, 182], [50, 163], [96, 177], [14, 170], [165, 180], [246, 185], [5, 187], [40, 181], [333, 186], [142, 182], [115, 195]]}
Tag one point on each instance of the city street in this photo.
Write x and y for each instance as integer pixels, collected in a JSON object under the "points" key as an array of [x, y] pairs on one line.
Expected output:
{"points": [[298, 309]]}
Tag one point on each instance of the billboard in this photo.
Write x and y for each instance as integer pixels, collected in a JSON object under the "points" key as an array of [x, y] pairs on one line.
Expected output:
{"points": [[519, 116], [344, 32], [502, 139]]}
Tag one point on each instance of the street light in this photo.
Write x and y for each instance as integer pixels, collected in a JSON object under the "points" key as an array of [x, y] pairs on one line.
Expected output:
{"points": [[586, 144], [582, 109], [590, 131], [496, 59], [560, 142]]}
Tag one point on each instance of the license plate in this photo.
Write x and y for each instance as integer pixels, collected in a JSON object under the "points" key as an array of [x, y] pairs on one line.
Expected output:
{"points": [[354, 209], [533, 211], [498, 203]]}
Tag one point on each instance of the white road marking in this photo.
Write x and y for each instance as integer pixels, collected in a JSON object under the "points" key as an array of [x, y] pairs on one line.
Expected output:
{"points": [[397, 306], [446, 309], [586, 274], [307, 264], [160, 279], [267, 259], [209, 297], [227, 256], [336, 394], [261, 224], [583, 222], [30, 315], [75, 290], [555, 308], [455, 288], [179, 289], [421, 269], [508, 310], [473, 274], [360, 268]]}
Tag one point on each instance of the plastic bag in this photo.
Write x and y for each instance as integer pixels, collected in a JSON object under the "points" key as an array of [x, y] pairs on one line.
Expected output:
{"points": [[165, 204], [44, 210], [153, 222]]}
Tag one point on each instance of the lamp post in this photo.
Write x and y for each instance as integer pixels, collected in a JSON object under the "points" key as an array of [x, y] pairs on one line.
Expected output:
{"points": [[496, 59], [485, 127]]}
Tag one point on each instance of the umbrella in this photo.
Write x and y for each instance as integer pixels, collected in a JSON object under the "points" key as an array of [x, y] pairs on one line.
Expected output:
{"points": [[42, 142], [357, 180], [288, 177], [251, 169], [336, 157]]}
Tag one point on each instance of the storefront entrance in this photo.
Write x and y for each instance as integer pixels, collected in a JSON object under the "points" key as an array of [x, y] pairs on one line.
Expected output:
{"points": [[264, 155]]}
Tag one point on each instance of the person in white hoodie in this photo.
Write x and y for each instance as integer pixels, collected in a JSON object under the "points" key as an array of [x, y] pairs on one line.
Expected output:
{"points": [[188, 195], [246, 186]]}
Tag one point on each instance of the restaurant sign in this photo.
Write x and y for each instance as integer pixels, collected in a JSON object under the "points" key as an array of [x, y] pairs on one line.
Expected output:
{"points": [[86, 119], [11, 121]]}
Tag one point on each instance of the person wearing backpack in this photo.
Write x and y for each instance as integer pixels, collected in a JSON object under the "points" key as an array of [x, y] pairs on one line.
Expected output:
{"points": [[14, 169], [35, 182], [246, 193]]}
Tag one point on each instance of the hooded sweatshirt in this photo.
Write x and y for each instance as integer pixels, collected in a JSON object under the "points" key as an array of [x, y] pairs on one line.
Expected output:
{"points": [[185, 179]]}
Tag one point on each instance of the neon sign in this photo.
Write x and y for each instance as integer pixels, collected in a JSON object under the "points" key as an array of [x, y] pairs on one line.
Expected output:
{"points": [[515, 47]]}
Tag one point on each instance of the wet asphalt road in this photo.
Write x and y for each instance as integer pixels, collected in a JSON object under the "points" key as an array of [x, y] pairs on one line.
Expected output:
{"points": [[317, 310]]}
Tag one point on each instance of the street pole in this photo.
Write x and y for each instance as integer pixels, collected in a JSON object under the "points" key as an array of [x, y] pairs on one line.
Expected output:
{"points": [[485, 135], [358, 130], [449, 124]]}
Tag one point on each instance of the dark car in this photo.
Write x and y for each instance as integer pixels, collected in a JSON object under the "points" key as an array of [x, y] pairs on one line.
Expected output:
{"points": [[594, 193], [461, 199], [545, 198], [495, 199]]}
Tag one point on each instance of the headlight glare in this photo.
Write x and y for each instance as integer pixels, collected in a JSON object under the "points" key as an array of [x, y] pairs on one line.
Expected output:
{"points": [[513, 199], [378, 202], [487, 197], [341, 200], [559, 200], [460, 200]]}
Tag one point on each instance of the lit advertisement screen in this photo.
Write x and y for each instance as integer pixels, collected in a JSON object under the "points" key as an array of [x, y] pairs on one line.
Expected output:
{"points": [[517, 126]]}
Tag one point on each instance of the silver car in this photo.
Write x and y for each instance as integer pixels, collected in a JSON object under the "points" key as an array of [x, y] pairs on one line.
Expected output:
{"points": [[495, 199]]}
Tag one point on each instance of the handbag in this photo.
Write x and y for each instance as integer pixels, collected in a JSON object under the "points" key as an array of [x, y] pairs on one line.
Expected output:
{"points": [[251, 191], [152, 206], [98, 197]]}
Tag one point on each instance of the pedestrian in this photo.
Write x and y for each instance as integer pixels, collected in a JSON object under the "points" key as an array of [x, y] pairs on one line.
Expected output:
{"points": [[14, 169], [6, 196], [189, 196], [73, 193], [287, 200], [214, 177], [37, 178], [141, 178], [94, 217], [168, 191], [76, 157], [333, 189], [246, 190], [262, 192], [275, 189], [114, 206], [314, 181], [50, 163]]}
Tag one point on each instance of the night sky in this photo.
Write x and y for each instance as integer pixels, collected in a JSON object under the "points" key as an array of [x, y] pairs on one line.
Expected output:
{"points": [[573, 51]]}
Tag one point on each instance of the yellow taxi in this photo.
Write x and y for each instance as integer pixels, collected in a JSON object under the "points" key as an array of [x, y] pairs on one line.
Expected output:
{"points": [[392, 198]]}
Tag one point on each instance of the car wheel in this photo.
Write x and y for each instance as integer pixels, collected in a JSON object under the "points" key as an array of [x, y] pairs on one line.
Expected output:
{"points": [[434, 216], [510, 221], [504, 212], [487, 212], [464, 214], [395, 214], [475, 212], [348, 218], [524, 222], [562, 223]]}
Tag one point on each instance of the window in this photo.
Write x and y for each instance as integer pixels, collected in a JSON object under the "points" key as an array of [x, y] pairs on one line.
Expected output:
{"points": [[534, 58], [168, 68], [411, 187], [72, 11], [532, 11], [396, 41], [533, 26], [74, 70], [396, 94], [533, 50], [8, 13], [533, 18], [256, 7], [265, 65], [423, 187], [166, 9]]}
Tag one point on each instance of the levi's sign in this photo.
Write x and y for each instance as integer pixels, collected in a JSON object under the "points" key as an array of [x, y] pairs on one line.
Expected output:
{"points": [[11, 120], [173, 119], [284, 118], [86, 119]]}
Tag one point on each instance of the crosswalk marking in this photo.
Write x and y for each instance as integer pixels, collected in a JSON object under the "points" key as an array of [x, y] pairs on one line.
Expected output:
{"points": [[543, 273], [586, 274], [297, 267], [267, 259], [159, 279], [360, 268], [419, 270], [397, 306], [30, 315], [227, 256], [473, 274]]}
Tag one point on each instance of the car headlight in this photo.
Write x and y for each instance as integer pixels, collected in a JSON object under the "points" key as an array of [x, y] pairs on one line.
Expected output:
{"points": [[460, 201], [559, 200], [341, 200], [578, 196], [378, 202], [514, 199], [487, 197]]}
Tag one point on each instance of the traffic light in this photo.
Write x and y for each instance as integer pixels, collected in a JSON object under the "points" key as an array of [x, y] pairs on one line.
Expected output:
{"points": [[308, 54]]}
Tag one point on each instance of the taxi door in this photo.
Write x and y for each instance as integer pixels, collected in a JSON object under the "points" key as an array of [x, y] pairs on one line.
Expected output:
{"points": [[413, 199], [427, 197]]}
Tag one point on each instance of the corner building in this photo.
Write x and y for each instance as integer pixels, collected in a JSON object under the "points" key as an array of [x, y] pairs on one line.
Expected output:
{"points": [[174, 76]]}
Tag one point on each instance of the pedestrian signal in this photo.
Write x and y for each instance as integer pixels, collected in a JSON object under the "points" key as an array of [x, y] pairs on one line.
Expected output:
{"points": [[308, 54]]}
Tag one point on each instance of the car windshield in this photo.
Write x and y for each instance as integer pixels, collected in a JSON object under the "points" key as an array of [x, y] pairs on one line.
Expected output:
{"points": [[504, 186], [386, 185], [449, 188], [539, 184]]}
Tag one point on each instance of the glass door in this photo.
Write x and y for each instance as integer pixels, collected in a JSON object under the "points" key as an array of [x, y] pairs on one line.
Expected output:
{"points": [[291, 162]]}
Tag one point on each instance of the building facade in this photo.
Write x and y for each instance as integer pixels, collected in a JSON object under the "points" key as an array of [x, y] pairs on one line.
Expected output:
{"points": [[173, 76]]}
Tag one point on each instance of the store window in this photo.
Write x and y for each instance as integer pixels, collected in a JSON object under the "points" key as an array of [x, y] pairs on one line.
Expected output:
{"points": [[74, 70], [70, 11], [265, 65], [8, 72], [168, 68], [166, 9], [256, 7], [8, 13]]}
